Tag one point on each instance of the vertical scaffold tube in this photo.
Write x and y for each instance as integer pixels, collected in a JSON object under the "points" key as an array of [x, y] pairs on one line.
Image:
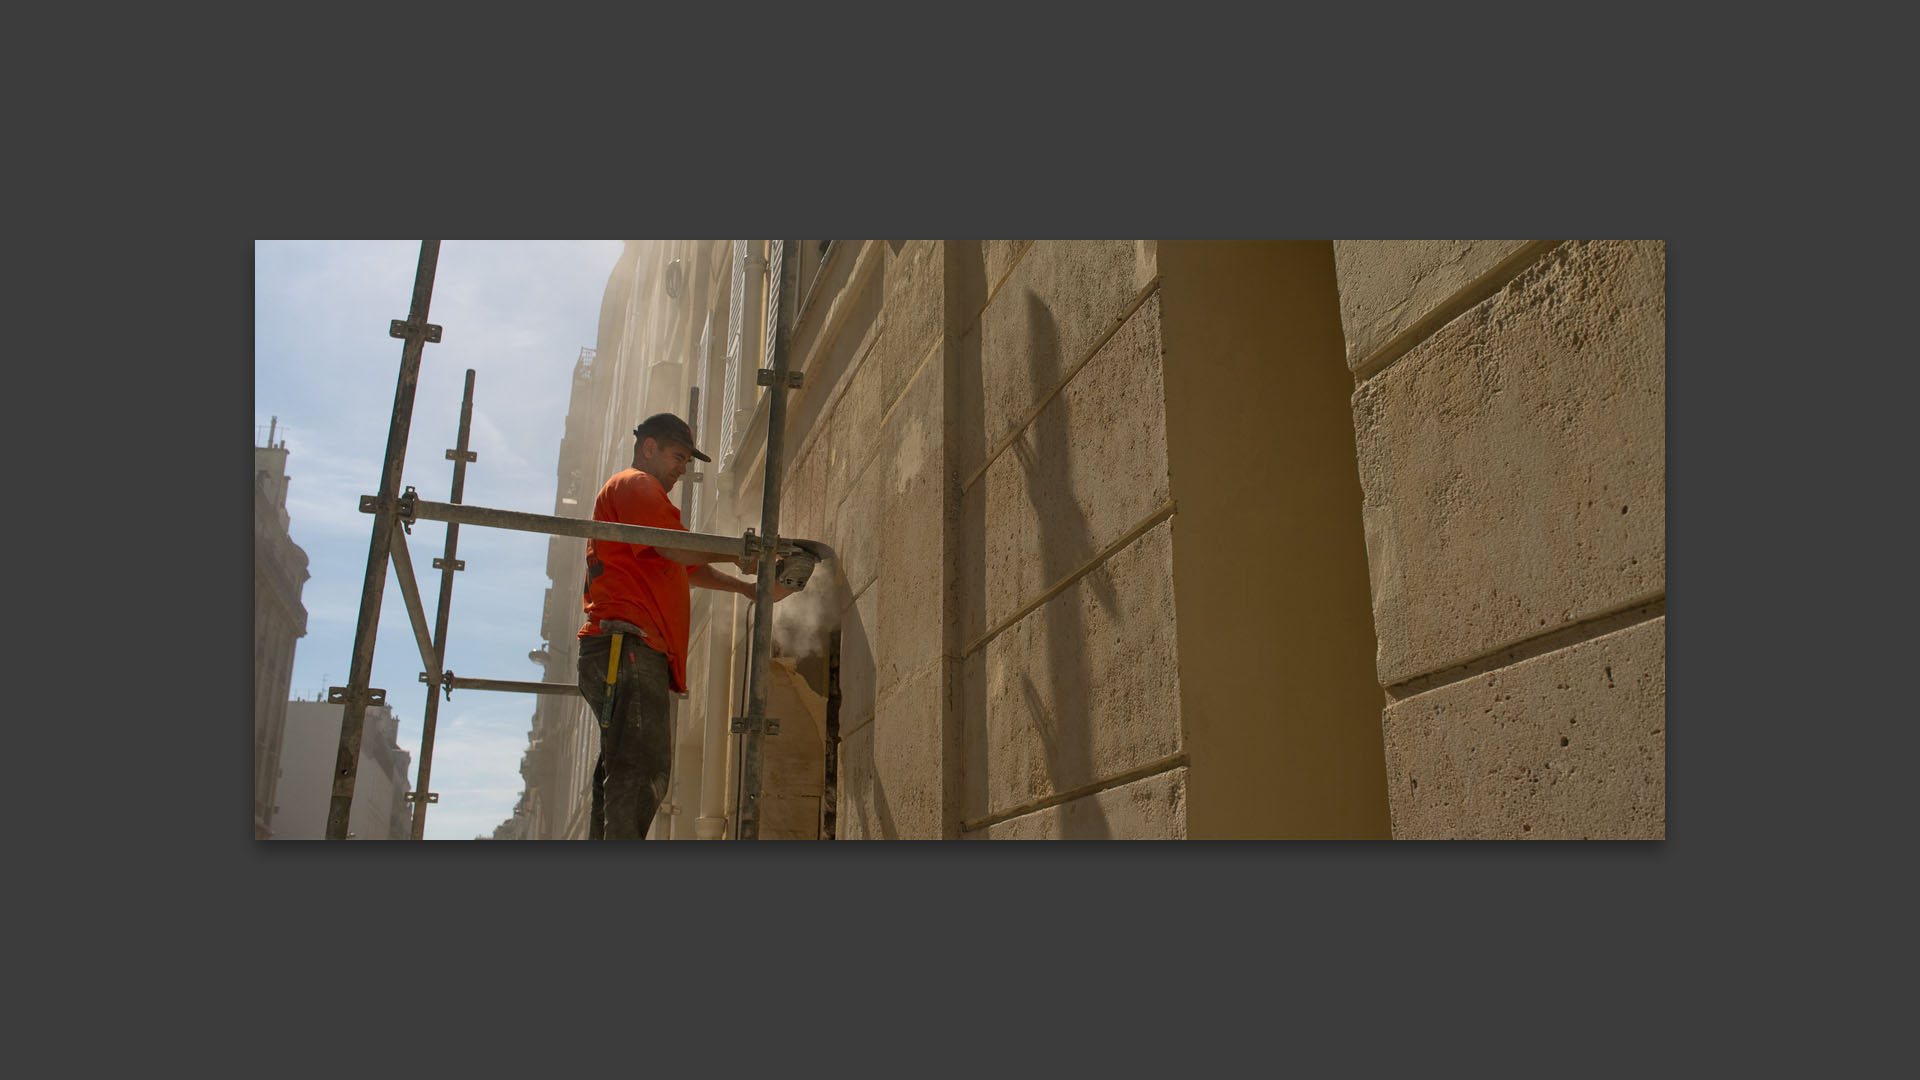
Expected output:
{"points": [[356, 697], [748, 819], [420, 788]]}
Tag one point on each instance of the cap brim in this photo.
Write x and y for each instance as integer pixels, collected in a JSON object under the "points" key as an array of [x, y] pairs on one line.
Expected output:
{"points": [[664, 437]]}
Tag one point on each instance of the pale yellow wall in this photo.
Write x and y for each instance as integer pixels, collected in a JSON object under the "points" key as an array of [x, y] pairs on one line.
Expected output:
{"points": [[1276, 644]]}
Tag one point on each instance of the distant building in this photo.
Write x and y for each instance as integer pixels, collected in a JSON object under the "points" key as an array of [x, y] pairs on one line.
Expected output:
{"points": [[552, 807], [311, 747], [517, 827], [279, 621]]}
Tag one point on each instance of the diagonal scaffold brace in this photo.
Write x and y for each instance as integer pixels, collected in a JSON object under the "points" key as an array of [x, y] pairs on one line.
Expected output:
{"points": [[395, 512]]}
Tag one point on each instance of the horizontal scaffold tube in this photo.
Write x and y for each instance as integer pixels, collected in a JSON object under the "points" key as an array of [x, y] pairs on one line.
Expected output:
{"points": [[517, 687], [462, 514]]}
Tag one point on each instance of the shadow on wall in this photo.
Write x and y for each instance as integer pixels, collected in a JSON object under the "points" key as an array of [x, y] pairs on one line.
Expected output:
{"points": [[866, 799], [1060, 715]]}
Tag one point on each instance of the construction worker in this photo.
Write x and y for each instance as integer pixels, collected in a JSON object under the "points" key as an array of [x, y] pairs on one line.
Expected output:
{"points": [[635, 640]]}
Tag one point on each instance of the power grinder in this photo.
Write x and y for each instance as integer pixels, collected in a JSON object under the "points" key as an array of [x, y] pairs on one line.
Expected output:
{"points": [[794, 568]]}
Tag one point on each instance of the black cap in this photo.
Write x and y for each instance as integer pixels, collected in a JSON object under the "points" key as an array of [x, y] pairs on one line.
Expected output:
{"points": [[665, 426]]}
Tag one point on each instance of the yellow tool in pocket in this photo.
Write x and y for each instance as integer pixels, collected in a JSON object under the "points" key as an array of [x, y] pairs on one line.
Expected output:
{"points": [[613, 673]]}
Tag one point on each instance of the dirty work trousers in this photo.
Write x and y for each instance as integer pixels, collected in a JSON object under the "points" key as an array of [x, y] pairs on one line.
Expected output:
{"points": [[636, 751]]}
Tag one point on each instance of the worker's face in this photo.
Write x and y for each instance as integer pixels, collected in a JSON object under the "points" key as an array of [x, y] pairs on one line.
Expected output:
{"points": [[667, 463]]}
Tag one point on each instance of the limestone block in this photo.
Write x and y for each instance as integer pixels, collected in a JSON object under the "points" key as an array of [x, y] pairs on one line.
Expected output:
{"points": [[1514, 463], [857, 690], [1061, 298], [912, 538], [790, 817], [1387, 286], [862, 813], [909, 632], [803, 497], [977, 268], [892, 770], [852, 432], [1091, 466], [1570, 744], [834, 412], [791, 758], [792, 774], [916, 313], [853, 527], [910, 753], [998, 257], [1151, 808], [1083, 688]]}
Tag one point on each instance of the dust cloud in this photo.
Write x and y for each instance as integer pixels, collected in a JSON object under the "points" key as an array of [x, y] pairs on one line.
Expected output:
{"points": [[804, 621]]}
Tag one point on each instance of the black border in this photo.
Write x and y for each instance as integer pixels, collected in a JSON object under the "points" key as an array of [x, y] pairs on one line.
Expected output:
{"points": [[893, 945]]}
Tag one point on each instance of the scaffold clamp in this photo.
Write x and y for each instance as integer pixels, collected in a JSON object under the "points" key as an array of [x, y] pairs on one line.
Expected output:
{"points": [[750, 553], [372, 695], [446, 682], [402, 327]]}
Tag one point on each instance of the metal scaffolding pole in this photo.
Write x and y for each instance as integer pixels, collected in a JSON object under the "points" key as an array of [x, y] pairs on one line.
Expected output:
{"points": [[454, 682], [754, 726], [410, 593], [412, 507], [421, 794], [394, 513], [357, 695]]}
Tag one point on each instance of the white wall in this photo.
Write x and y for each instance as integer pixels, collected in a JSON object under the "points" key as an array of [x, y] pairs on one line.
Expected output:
{"points": [[308, 751]]}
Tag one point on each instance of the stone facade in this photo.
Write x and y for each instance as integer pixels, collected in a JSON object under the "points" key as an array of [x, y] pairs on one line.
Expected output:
{"points": [[564, 739], [1510, 415], [1147, 539]]}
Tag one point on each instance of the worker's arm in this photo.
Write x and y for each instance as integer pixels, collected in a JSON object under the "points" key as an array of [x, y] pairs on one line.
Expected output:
{"points": [[708, 578], [690, 558]]}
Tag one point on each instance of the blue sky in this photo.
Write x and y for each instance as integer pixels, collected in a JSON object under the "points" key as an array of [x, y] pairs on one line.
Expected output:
{"points": [[518, 313]]}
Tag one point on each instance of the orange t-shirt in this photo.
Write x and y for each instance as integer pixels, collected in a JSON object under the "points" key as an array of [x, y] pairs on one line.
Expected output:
{"points": [[633, 582]]}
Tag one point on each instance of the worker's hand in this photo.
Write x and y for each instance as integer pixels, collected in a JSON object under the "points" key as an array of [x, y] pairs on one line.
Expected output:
{"points": [[751, 589]]}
